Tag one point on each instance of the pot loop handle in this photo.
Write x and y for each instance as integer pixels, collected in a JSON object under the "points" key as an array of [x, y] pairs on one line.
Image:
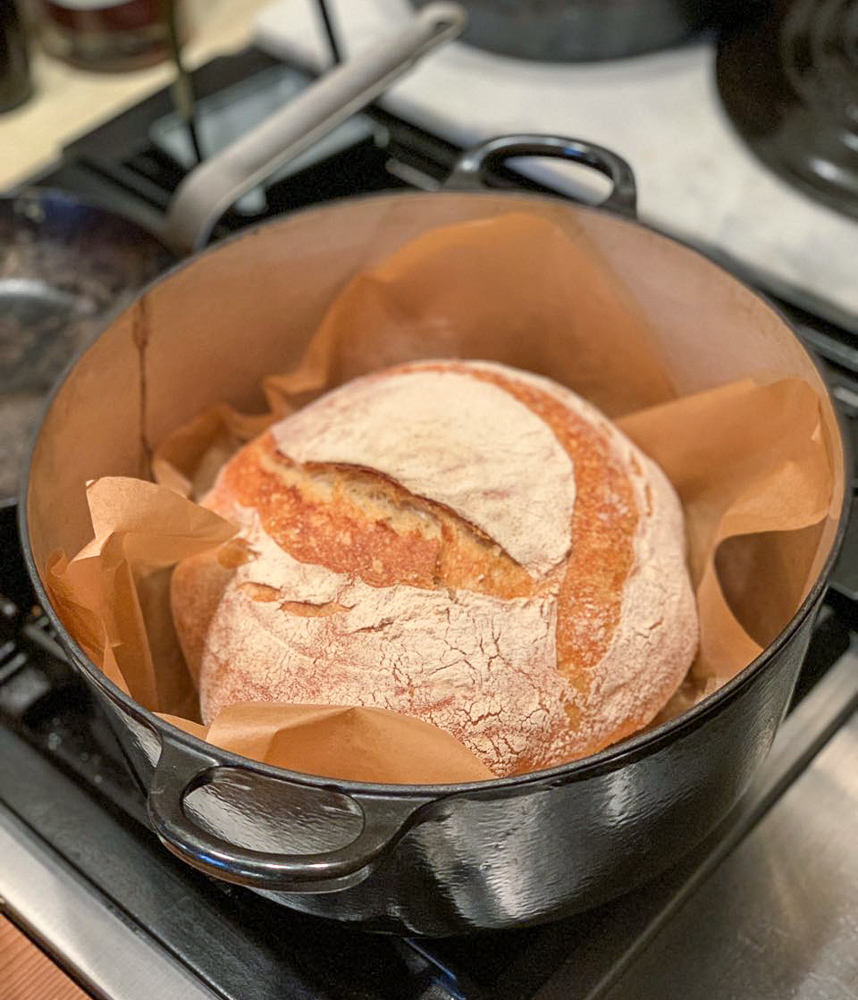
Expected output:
{"points": [[471, 168], [181, 769]]}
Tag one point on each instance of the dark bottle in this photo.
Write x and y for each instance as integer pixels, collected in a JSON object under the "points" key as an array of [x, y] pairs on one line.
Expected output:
{"points": [[15, 82]]}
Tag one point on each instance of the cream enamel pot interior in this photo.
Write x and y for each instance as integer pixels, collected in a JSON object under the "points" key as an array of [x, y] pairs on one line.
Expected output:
{"points": [[423, 859]]}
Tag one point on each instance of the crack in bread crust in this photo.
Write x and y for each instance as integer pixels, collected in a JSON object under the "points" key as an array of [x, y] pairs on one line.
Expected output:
{"points": [[462, 442], [361, 523]]}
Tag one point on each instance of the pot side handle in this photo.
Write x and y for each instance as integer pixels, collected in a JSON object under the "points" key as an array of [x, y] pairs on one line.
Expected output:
{"points": [[471, 168], [181, 769]]}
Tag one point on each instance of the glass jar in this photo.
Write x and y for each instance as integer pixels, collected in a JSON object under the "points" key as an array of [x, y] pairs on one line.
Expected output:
{"points": [[108, 35]]}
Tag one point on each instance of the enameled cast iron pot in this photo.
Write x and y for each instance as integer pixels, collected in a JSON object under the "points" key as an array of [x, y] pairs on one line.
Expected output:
{"points": [[425, 859]]}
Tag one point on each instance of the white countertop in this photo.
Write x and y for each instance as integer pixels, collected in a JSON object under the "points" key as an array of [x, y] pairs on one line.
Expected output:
{"points": [[696, 179]]}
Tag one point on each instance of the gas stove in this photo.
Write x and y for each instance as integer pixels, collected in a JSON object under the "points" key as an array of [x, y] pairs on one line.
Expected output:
{"points": [[86, 878]]}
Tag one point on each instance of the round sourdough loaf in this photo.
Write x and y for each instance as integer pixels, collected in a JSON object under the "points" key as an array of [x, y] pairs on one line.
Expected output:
{"points": [[462, 542]]}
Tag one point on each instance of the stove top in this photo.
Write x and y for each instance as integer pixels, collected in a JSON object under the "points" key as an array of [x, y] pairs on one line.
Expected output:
{"points": [[789, 81], [72, 820]]}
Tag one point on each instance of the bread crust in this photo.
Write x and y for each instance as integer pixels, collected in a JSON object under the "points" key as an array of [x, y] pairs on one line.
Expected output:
{"points": [[345, 586]]}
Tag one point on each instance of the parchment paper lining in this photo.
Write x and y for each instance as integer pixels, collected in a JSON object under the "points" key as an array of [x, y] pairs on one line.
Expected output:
{"points": [[750, 460]]}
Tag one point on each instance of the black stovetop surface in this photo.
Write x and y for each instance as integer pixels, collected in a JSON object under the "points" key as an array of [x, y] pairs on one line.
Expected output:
{"points": [[63, 773]]}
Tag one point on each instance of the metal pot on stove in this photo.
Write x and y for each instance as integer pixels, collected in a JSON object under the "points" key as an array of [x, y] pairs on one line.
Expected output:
{"points": [[589, 30], [429, 859]]}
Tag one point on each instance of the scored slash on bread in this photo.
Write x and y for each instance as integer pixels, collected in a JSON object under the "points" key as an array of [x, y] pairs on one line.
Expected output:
{"points": [[457, 541]]}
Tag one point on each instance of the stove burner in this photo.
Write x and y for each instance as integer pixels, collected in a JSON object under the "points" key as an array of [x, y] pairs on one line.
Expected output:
{"points": [[789, 81]]}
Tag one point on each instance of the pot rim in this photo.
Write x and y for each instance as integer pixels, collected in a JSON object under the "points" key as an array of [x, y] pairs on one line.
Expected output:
{"points": [[610, 758]]}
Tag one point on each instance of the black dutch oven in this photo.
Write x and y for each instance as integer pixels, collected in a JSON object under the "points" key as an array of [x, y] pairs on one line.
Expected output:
{"points": [[439, 859]]}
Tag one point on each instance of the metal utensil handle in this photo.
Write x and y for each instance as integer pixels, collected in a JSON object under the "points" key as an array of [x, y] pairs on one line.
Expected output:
{"points": [[470, 170], [180, 770], [206, 193]]}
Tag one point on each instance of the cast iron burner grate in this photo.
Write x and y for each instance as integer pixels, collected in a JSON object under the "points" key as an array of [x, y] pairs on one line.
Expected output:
{"points": [[789, 81]]}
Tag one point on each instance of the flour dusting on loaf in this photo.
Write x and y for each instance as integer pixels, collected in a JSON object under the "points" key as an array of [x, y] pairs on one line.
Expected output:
{"points": [[462, 542]]}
